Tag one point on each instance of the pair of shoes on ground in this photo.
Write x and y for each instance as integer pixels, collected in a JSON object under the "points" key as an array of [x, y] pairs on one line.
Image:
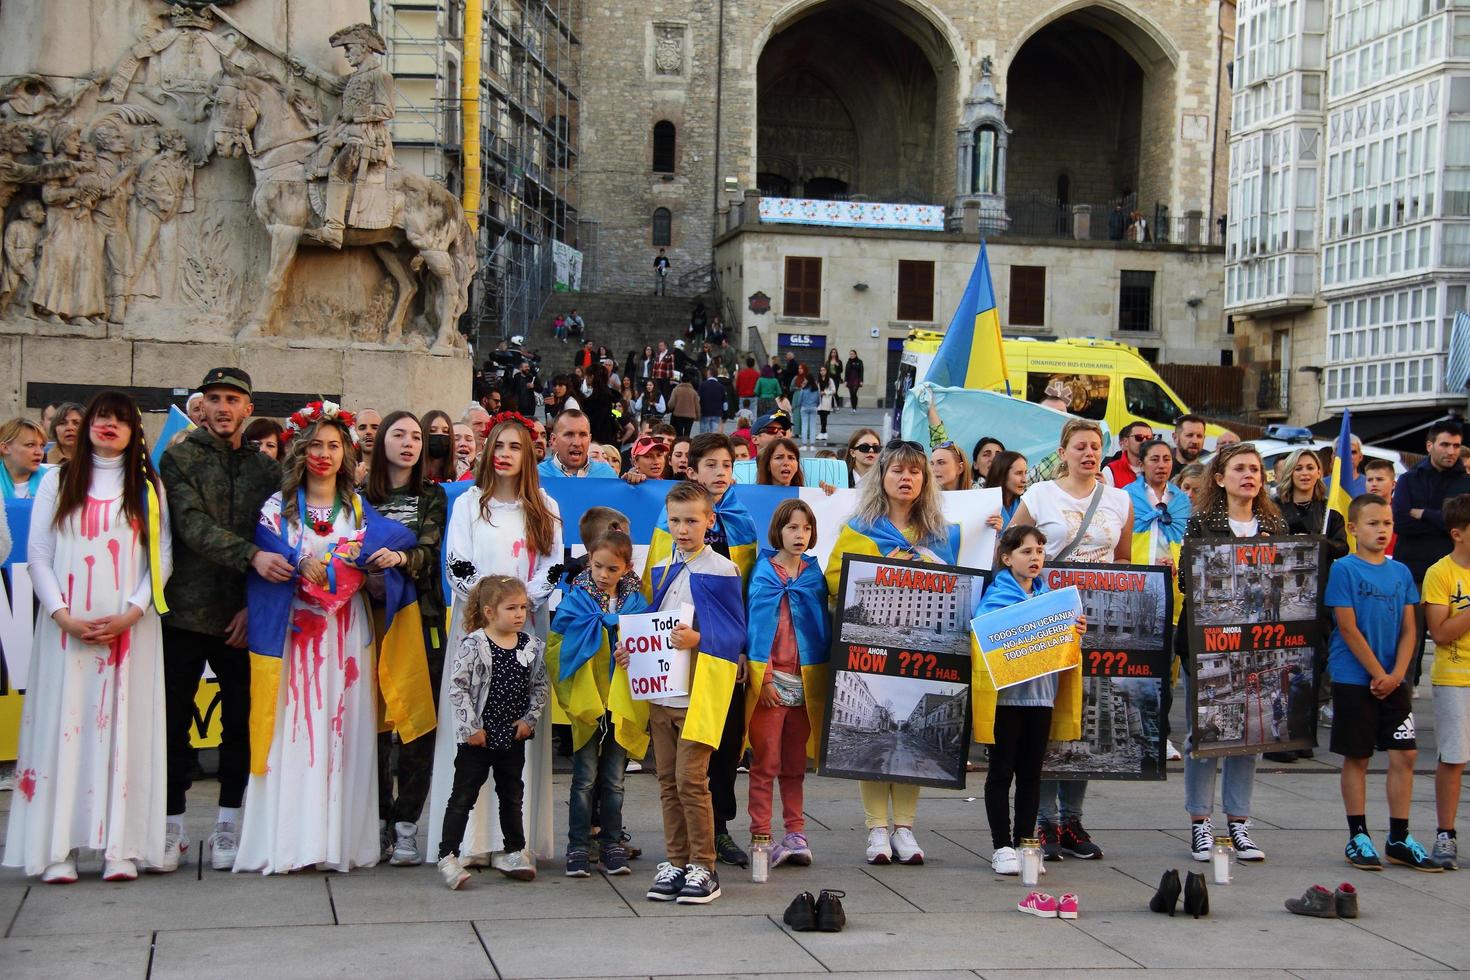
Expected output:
{"points": [[692, 884], [1045, 906], [64, 872], [517, 865], [1007, 861], [899, 846], [400, 842], [821, 914], [1070, 838], [1319, 903], [1196, 894], [1202, 841], [612, 857], [1361, 854], [223, 845]]}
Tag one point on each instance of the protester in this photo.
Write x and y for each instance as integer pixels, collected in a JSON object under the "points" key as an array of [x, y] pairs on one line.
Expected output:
{"points": [[1191, 479], [684, 406], [368, 422], [1082, 520], [863, 447], [1008, 471], [439, 466], [194, 407], [1189, 440], [1124, 468], [1446, 598], [466, 450], [828, 400], [649, 403], [96, 656], [853, 376], [63, 431], [216, 487], [897, 515], [1378, 479], [650, 458], [571, 445], [951, 466], [264, 436], [397, 489], [779, 464], [679, 459], [985, 449], [22, 458], [1303, 503], [1418, 501]]}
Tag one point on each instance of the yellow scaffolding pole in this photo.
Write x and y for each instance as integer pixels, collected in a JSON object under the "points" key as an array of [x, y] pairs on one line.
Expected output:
{"points": [[469, 95]]}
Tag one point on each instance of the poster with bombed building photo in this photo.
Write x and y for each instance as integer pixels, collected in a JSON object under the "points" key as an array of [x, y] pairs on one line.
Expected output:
{"points": [[899, 704], [1125, 663], [1253, 610]]}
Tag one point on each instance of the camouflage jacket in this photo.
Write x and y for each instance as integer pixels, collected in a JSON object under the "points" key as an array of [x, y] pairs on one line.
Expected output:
{"points": [[423, 511], [214, 498]]}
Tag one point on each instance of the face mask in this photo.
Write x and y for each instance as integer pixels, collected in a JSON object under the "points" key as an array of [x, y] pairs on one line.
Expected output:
{"points": [[439, 445]]}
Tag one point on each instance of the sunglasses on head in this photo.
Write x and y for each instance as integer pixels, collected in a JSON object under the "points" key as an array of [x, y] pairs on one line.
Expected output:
{"points": [[902, 443], [946, 444]]}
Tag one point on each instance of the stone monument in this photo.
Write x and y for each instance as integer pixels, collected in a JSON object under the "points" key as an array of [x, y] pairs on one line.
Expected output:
{"points": [[187, 183]]}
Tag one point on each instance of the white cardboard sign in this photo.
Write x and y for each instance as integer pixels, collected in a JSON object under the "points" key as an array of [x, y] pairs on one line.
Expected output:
{"points": [[655, 668]]}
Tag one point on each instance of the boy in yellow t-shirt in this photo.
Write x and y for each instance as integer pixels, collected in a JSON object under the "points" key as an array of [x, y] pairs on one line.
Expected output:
{"points": [[1446, 596]]}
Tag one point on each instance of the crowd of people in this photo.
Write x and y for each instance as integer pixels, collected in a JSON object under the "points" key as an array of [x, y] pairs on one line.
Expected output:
{"points": [[316, 544]]}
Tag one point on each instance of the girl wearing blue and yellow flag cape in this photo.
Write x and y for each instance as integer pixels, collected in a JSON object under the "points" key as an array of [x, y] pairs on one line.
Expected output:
{"points": [[90, 770], [607, 724], [1017, 722], [313, 703], [787, 643], [898, 516]]}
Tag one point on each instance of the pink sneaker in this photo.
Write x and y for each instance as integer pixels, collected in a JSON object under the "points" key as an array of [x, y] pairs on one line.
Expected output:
{"points": [[1039, 904], [1067, 906]]}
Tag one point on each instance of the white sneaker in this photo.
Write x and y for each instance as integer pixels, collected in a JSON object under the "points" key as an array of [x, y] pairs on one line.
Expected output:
{"points": [[453, 872], [175, 846], [62, 872], [879, 850], [479, 860], [1171, 753], [905, 848], [123, 870], [1005, 861], [406, 847], [516, 864], [224, 844]]}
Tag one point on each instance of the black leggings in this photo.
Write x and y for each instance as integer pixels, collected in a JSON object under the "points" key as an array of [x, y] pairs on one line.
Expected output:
{"points": [[823, 417], [472, 766], [1020, 745], [725, 759], [682, 427]]}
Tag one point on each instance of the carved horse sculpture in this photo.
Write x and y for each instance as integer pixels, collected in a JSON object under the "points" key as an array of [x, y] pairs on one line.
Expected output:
{"points": [[256, 117]]}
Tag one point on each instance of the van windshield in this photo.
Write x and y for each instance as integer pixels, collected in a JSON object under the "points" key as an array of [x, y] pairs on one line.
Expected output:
{"points": [[1147, 400]]}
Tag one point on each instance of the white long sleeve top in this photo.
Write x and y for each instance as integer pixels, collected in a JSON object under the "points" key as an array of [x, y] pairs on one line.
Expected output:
{"points": [[475, 547]]}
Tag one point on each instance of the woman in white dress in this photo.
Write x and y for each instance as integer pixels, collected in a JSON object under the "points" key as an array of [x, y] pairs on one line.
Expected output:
{"points": [[313, 791], [90, 767], [504, 525]]}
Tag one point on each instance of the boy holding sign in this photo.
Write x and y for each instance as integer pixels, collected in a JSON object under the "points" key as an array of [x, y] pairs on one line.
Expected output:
{"points": [[686, 728]]}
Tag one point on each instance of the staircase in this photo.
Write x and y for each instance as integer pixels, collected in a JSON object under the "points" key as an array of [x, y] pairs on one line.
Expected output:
{"points": [[622, 321]]}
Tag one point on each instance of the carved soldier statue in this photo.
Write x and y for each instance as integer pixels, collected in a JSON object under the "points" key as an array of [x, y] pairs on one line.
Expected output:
{"points": [[356, 152]]}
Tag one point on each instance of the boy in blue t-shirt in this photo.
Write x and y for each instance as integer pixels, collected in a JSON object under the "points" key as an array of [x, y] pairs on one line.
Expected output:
{"points": [[1373, 598]]}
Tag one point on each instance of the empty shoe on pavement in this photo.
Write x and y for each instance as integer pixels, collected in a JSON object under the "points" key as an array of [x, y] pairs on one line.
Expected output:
{"points": [[1316, 902]]}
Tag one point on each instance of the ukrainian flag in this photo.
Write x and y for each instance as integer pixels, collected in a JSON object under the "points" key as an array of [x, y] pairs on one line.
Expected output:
{"points": [[719, 613], [971, 354], [588, 684], [1344, 486], [807, 597], [740, 535]]}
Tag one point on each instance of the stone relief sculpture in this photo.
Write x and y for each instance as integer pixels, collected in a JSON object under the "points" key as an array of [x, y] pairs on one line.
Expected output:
{"points": [[164, 189], [69, 282], [22, 236], [668, 49]]}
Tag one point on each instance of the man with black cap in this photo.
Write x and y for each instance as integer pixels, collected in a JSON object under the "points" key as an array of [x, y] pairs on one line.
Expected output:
{"points": [[215, 491]]}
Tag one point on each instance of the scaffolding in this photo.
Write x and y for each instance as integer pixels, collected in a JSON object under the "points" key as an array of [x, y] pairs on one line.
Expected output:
{"points": [[528, 110]]}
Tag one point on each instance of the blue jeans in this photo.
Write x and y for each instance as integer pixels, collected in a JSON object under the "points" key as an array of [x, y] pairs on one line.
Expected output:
{"points": [[597, 767], [1235, 787], [709, 423], [809, 424], [1061, 800]]}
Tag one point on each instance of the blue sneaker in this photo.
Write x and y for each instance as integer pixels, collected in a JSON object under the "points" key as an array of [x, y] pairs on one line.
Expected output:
{"points": [[1411, 854], [1361, 853]]}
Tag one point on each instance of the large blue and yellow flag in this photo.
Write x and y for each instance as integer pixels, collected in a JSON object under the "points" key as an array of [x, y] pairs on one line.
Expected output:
{"points": [[176, 423], [740, 535], [971, 354], [884, 540], [1345, 484], [719, 615], [587, 682], [807, 598], [1066, 716]]}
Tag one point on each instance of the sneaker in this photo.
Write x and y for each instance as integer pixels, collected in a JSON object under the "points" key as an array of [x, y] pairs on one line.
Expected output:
{"points": [[729, 852], [1171, 752], [1039, 904], [1201, 839], [223, 845], [1005, 861], [123, 870], [62, 872], [1076, 841], [1067, 906], [577, 865], [478, 860], [515, 864], [175, 846], [1446, 852], [1361, 854], [405, 845], [1245, 848], [385, 841], [906, 850], [801, 914], [830, 916], [668, 882], [1316, 901], [1051, 841], [1411, 854], [744, 764], [614, 860], [793, 849], [701, 886], [453, 872], [1346, 900], [880, 850]]}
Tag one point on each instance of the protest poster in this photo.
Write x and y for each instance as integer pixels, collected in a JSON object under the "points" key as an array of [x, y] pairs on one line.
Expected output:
{"points": [[899, 703], [1126, 654], [656, 668], [1254, 618], [1030, 639]]}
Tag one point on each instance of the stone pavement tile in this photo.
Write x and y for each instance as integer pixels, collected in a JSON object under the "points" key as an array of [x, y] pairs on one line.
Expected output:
{"points": [[12, 893], [696, 942], [1377, 974], [169, 901], [1126, 974], [76, 954], [741, 896], [1246, 934], [1432, 929], [434, 949], [958, 941], [418, 895], [865, 975]]}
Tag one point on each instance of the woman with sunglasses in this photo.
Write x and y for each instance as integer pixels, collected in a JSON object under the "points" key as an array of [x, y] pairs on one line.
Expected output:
{"points": [[1083, 520], [862, 452], [897, 516]]}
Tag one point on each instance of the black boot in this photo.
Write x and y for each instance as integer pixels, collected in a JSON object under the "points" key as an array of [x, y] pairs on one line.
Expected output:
{"points": [[1167, 897], [1196, 896]]}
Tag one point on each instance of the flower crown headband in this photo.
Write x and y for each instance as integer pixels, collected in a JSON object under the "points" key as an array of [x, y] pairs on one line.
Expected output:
{"points": [[319, 411], [509, 417]]}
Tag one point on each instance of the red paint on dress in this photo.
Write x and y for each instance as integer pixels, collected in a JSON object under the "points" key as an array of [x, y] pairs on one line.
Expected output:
{"points": [[309, 628], [95, 518], [90, 561], [26, 784], [102, 717], [117, 650], [114, 548], [350, 673]]}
